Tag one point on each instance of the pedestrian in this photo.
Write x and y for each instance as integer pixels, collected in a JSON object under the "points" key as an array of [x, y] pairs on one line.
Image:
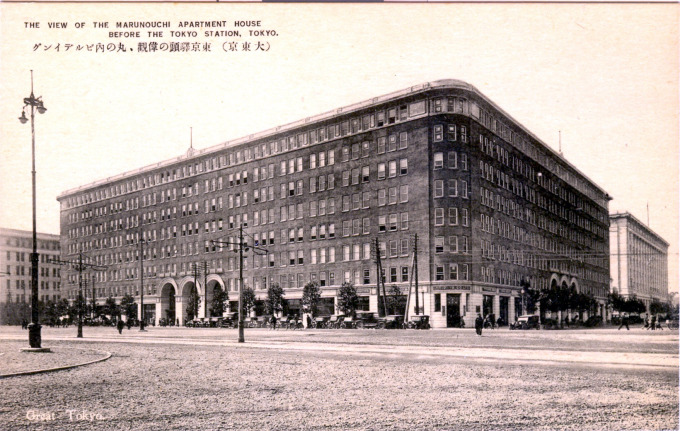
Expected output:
{"points": [[120, 326], [273, 322], [653, 324], [624, 321], [129, 323], [479, 324], [24, 324], [646, 322]]}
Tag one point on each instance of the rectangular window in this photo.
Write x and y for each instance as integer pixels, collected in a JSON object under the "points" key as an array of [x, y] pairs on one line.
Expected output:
{"points": [[403, 140], [438, 161], [439, 273], [382, 223], [439, 216], [393, 222], [392, 168], [438, 133], [438, 188], [453, 188], [403, 193], [439, 244], [382, 145], [453, 216], [452, 160], [404, 221], [381, 171], [403, 166], [392, 196], [453, 244]]}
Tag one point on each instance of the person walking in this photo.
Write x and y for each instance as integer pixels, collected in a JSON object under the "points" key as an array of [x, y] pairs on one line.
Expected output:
{"points": [[273, 320], [653, 324], [624, 321], [120, 326], [479, 324]]}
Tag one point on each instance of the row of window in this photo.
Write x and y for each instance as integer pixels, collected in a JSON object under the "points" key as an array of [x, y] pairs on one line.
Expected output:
{"points": [[453, 219], [451, 160], [452, 189]]}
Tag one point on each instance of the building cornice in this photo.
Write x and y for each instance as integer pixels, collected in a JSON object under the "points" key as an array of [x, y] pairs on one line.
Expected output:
{"points": [[319, 118]]}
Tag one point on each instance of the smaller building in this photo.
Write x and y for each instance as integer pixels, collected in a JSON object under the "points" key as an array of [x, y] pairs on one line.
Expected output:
{"points": [[16, 247], [638, 260]]}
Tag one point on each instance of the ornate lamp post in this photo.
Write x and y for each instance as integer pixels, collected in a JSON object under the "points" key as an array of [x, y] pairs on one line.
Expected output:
{"points": [[35, 103]]}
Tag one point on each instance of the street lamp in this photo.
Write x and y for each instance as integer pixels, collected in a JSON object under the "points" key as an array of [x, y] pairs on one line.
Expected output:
{"points": [[35, 103], [141, 284]]}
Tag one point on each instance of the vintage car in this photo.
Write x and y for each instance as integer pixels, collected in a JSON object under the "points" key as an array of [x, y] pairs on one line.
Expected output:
{"points": [[230, 320], [335, 321], [368, 319], [394, 321], [418, 321], [526, 322]]}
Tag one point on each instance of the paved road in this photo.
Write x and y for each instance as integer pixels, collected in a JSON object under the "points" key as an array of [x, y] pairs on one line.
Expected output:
{"points": [[598, 348]]}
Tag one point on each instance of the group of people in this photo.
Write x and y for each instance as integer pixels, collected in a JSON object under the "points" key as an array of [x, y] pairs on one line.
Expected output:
{"points": [[652, 322]]}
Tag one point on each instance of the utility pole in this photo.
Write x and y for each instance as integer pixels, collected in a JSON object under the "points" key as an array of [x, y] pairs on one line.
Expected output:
{"points": [[80, 266], [242, 246], [380, 280], [205, 288], [94, 298], [415, 270], [241, 334]]}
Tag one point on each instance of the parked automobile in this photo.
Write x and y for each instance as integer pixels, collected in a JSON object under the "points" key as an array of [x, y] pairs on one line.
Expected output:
{"points": [[368, 319], [320, 321], [526, 322], [335, 321], [419, 321], [230, 320], [348, 322], [394, 321]]}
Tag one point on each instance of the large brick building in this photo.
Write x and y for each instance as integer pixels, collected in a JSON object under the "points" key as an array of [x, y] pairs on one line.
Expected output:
{"points": [[638, 260], [490, 203], [16, 247]]}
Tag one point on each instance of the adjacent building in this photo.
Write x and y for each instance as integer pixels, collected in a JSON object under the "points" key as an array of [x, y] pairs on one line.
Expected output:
{"points": [[16, 247], [490, 204], [638, 260]]}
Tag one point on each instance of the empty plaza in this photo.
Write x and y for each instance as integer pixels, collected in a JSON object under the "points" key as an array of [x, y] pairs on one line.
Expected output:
{"points": [[184, 378]]}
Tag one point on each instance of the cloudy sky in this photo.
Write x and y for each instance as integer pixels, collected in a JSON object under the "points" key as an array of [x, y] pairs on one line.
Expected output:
{"points": [[606, 76]]}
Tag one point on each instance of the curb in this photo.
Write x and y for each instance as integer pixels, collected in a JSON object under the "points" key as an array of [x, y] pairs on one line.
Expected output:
{"points": [[66, 367]]}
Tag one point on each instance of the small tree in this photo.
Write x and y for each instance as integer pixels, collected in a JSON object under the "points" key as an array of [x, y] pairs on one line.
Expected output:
{"points": [[530, 297], [192, 306], [396, 300], [311, 294], [128, 306], [348, 301], [274, 302], [248, 299], [111, 308], [657, 307], [616, 301], [62, 307], [219, 301]]}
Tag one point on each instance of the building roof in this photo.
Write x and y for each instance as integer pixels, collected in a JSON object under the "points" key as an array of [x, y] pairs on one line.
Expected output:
{"points": [[432, 85], [628, 216], [27, 233]]}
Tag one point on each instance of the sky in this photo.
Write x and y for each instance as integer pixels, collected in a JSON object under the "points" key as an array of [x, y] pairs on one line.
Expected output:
{"points": [[604, 75]]}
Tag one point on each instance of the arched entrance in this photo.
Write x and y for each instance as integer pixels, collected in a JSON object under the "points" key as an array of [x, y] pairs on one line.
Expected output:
{"points": [[168, 304], [215, 283], [191, 302]]}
